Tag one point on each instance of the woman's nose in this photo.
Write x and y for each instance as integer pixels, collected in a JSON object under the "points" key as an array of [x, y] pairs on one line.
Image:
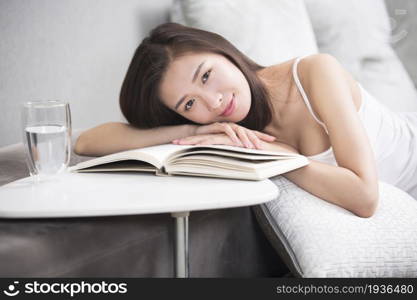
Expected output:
{"points": [[214, 101]]}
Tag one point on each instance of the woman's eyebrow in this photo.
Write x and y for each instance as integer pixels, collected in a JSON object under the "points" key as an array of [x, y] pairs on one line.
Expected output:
{"points": [[197, 71]]}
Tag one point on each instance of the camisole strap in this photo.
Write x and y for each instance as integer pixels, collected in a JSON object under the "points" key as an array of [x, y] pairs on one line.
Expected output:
{"points": [[303, 94]]}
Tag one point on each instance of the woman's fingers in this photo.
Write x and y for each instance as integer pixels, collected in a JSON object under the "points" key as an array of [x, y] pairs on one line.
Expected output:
{"points": [[208, 139], [217, 141], [232, 134], [261, 135], [238, 135], [244, 137], [216, 127], [223, 127], [195, 139], [243, 133], [228, 127], [264, 136], [254, 139]]}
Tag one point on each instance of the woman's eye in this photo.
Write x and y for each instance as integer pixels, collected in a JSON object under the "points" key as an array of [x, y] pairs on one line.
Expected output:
{"points": [[187, 106], [205, 76]]}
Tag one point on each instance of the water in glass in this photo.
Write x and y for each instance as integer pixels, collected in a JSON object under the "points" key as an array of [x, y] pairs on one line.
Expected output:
{"points": [[47, 137]]}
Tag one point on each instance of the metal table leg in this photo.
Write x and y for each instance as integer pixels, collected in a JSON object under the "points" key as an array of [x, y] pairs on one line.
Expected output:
{"points": [[181, 244]]}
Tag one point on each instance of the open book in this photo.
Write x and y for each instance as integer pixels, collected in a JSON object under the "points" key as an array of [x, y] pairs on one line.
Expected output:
{"points": [[220, 161]]}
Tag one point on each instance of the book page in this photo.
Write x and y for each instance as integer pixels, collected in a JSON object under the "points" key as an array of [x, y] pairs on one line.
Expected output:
{"points": [[266, 170], [154, 155], [213, 153], [235, 149], [202, 165], [124, 165], [162, 152], [160, 155]]}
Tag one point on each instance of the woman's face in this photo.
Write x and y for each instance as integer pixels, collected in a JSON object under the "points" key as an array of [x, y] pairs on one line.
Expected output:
{"points": [[206, 88]]}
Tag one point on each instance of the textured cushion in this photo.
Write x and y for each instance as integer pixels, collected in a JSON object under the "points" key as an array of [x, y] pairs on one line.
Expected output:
{"points": [[319, 239], [357, 33], [268, 31]]}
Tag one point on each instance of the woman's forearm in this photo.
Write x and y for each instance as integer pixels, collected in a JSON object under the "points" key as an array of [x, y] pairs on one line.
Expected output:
{"points": [[336, 185], [115, 137]]}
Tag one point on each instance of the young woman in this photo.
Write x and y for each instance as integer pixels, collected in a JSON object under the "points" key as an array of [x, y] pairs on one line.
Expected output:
{"points": [[190, 86]]}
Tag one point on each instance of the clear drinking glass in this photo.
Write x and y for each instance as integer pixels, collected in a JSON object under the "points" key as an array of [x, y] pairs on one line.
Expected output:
{"points": [[47, 137]]}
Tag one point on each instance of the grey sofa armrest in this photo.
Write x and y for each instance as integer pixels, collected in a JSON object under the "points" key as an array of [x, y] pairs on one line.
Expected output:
{"points": [[223, 243]]}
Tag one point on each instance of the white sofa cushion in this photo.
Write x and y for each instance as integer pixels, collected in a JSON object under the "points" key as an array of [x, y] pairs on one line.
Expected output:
{"points": [[320, 239], [358, 34], [268, 31]]}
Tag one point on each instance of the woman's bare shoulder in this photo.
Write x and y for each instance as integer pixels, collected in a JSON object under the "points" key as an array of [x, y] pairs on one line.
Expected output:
{"points": [[310, 64], [317, 71], [305, 67], [326, 81]]}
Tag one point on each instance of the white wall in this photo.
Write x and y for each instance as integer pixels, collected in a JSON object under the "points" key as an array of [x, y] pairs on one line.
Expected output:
{"points": [[74, 50]]}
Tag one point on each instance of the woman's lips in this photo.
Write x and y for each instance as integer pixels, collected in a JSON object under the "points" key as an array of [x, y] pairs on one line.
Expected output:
{"points": [[230, 108]]}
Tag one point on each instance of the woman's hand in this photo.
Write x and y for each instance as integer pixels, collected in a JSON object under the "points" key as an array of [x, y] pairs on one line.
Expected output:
{"points": [[224, 139], [206, 139], [278, 147], [238, 135]]}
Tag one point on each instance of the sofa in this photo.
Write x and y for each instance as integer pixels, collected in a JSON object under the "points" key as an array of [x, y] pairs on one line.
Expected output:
{"points": [[283, 237]]}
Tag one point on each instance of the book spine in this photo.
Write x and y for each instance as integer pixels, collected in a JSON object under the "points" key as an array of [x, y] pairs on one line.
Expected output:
{"points": [[161, 172]]}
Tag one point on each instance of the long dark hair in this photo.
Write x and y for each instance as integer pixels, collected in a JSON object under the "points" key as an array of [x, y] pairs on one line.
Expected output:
{"points": [[139, 96]]}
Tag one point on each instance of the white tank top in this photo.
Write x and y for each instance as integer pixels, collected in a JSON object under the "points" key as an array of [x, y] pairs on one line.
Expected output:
{"points": [[393, 137]]}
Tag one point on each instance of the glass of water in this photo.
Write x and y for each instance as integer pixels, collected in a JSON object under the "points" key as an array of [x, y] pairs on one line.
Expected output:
{"points": [[46, 137]]}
